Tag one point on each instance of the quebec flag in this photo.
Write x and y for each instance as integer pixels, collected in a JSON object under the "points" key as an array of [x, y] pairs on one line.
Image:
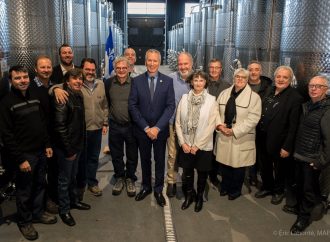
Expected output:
{"points": [[109, 55]]}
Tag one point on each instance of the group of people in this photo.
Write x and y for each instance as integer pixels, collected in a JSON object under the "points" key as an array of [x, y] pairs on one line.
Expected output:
{"points": [[54, 124]]}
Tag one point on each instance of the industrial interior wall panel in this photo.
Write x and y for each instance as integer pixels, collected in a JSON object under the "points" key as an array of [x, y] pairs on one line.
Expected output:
{"points": [[210, 35], [34, 29], [67, 24], [105, 10], [305, 42], [79, 32], [226, 22], [179, 37], [258, 32], [200, 60], [99, 36], [174, 38], [94, 30], [4, 38], [195, 32], [169, 39], [223, 25], [272, 59], [186, 34]]}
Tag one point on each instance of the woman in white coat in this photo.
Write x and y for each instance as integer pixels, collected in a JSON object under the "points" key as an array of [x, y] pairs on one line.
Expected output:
{"points": [[195, 124], [240, 110]]}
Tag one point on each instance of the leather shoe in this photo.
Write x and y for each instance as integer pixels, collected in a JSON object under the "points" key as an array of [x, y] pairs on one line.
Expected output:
{"points": [[262, 193], [68, 219], [199, 203], [81, 206], [160, 199], [142, 194], [188, 199], [290, 210], [277, 198], [299, 226], [171, 190], [45, 218], [223, 193], [215, 181], [233, 196]]}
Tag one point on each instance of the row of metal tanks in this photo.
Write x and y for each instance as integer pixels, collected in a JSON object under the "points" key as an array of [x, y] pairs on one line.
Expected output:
{"points": [[34, 27], [274, 32]]}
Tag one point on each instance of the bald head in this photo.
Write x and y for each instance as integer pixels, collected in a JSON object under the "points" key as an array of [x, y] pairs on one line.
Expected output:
{"points": [[130, 54], [185, 63]]}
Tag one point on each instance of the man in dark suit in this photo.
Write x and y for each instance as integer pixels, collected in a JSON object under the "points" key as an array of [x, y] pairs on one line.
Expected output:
{"points": [[151, 104], [66, 63], [281, 108]]}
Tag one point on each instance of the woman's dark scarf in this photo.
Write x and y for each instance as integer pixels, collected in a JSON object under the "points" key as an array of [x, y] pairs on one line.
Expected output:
{"points": [[230, 110]]}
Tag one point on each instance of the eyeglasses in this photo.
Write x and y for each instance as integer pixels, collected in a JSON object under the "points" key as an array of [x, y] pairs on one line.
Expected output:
{"points": [[240, 77], [316, 86], [121, 68]]}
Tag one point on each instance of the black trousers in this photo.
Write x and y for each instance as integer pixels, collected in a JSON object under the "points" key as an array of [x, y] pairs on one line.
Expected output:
{"points": [[121, 137], [232, 179], [159, 148], [275, 171], [308, 184], [213, 174], [188, 180], [30, 189], [52, 177]]}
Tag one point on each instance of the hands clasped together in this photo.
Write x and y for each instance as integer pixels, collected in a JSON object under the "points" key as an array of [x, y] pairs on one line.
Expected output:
{"points": [[224, 130], [189, 149], [152, 133]]}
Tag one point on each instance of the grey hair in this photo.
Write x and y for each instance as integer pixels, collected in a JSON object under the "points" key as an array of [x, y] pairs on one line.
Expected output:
{"points": [[120, 59], [187, 54], [288, 68], [324, 78], [255, 62], [154, 51], [214, 60], [129, 48], [245, 72]]}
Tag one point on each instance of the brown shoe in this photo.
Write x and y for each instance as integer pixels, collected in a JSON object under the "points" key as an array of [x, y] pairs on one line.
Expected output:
{"points": [[95, 190], [51, 207], [28, 231], [45, 218], [130, 187]]}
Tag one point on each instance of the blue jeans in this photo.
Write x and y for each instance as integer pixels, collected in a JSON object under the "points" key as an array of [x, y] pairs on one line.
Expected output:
{"points": [[94, 140], [120, 135], [67, 172]]}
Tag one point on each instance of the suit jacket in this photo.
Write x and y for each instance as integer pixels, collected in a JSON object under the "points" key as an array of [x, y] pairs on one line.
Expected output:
{"points": [[283, 124], [157, 112]]}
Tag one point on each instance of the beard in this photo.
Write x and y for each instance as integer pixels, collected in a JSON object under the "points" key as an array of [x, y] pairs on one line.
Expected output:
{"points": [[184, 75]]}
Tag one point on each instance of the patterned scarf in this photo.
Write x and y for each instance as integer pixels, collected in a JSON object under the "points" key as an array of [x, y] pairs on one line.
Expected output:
{"points": [[194, 106]]}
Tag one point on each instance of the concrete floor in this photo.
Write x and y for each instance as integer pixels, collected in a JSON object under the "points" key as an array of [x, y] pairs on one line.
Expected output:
{"points": [[122, 219]]}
